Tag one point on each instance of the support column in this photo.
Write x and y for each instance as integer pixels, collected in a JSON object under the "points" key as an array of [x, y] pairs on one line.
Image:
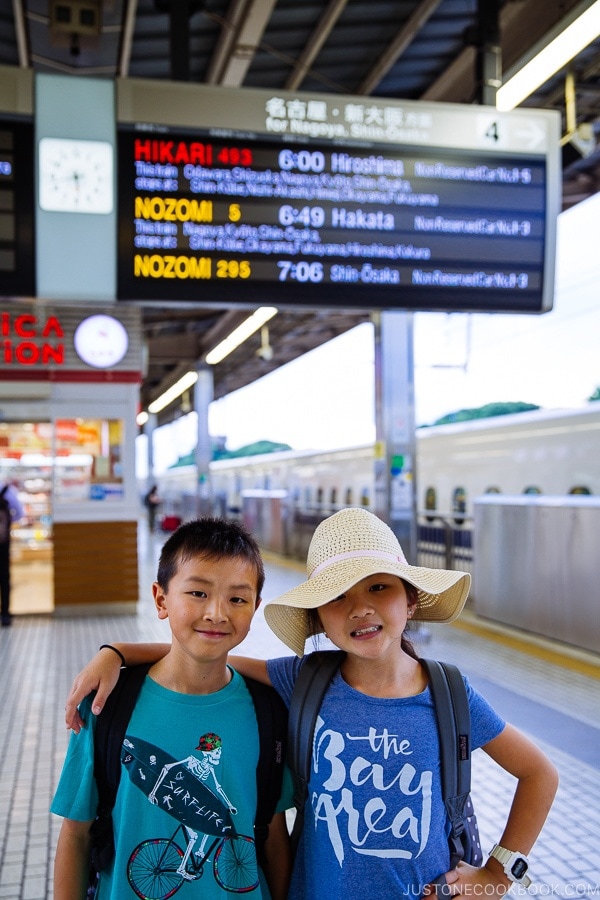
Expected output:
{"points": [[149, 429], [203, 397], [395, 452], [489, 51]]}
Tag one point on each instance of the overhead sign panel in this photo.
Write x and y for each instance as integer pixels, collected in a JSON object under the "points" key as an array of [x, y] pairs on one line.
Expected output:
{"points": [[294, 200], [17, 276]]}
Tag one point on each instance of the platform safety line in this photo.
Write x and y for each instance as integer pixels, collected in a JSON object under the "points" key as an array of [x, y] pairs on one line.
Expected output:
{"points": [[566, 660]]}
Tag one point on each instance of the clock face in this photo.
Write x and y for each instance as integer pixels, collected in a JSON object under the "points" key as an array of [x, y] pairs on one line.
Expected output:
{"points": [[101, 341], [76, 176]]}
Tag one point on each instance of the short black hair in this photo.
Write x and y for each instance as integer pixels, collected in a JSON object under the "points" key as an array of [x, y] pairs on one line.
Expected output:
{"points": [[216, 538]]}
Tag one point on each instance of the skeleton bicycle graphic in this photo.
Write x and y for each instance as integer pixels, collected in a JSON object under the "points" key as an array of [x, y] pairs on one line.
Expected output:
{"points": [[158, 867]]}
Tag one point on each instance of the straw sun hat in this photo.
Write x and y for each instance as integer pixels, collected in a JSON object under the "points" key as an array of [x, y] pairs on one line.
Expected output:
{"points": [[350, 546]]}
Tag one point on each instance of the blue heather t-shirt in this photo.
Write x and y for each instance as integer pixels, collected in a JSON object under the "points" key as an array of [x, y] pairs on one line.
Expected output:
{"points": [[375, 821]]}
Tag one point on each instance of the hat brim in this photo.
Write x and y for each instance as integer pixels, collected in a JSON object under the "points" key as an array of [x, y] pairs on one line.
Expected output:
{"points": [[442, 595]]}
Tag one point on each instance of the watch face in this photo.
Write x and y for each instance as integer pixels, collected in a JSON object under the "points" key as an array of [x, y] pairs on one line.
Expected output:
{"points": [[101, 341], [519, 868], [75, 176]]}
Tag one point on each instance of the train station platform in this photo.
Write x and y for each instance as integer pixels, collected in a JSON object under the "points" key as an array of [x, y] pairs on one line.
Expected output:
{"points": [[549, 692]]}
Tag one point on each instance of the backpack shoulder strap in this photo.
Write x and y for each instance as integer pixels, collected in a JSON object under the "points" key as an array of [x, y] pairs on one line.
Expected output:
{"points": [[313, 680], [111, 726], [3, 491], [271, 716], [454, 727]]}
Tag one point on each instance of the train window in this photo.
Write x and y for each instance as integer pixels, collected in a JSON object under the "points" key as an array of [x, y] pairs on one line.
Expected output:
{"points": [[307, 495], [364, 497], [430, 502], [319, 495], [493, 490], [459, 504], [349, 499], [581, 489], [333, 496], [532, 489]]}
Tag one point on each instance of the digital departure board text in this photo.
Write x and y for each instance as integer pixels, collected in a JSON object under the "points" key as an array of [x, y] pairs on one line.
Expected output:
{"points": [[219, 219]]}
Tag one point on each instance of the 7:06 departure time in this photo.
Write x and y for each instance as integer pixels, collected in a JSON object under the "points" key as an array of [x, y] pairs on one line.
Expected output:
{"points": [[301, 271]]}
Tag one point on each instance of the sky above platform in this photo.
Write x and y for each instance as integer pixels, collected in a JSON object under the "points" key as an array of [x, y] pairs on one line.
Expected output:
{"points": [[325, 399]]}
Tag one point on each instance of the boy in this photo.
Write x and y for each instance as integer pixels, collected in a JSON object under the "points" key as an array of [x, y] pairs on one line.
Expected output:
{"points": [[187, 792]]}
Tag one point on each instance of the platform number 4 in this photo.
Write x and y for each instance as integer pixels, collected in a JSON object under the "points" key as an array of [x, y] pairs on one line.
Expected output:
{"points": [[490, 131]]}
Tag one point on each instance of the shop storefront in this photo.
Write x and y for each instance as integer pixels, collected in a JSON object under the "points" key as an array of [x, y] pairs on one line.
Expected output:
{"points": [[69, 381]]}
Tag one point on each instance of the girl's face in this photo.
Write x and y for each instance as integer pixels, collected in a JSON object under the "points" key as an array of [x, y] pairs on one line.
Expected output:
{"points": [[368, 619]]}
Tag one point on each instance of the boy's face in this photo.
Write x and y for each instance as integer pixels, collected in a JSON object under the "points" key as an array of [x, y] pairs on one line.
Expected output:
{"points": [[210, 604]]}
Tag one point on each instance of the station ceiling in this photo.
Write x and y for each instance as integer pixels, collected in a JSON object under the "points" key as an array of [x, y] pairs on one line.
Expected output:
{"points": [[427, 50]]}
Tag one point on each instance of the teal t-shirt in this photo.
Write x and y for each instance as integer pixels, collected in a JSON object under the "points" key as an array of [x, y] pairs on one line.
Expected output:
{"points": [[186, 802]]}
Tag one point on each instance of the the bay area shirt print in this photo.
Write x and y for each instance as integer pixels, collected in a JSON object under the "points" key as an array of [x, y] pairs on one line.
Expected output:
{"points": [[371, 798]]}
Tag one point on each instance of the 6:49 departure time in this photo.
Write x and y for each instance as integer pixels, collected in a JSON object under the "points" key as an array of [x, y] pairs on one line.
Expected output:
{"points": [[311, 216]]}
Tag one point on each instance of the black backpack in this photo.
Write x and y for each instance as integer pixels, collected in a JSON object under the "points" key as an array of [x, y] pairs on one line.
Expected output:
{"points": [[4, 516], [454, 727], [271, 715]]}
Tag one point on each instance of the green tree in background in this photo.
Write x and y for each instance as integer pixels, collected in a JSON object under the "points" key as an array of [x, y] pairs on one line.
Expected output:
{"points": [[485, 412]]}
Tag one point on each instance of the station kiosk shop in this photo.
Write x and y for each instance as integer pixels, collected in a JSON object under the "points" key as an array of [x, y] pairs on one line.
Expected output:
{"points": [[69, 387]]}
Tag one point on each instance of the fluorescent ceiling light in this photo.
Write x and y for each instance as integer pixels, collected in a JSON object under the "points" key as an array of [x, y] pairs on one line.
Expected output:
{"points": [[142, 418], [240, 334], [554, 56], [185, 382]]}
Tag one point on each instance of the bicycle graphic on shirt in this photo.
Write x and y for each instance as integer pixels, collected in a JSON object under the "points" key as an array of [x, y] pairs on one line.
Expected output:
{"points": [[158, 867]]}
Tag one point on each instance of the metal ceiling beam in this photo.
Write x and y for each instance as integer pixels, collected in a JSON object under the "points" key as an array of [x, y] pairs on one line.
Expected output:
{"points": [[240, 36], [419, 17], [21, 33], [127, 37], [324, 28], [456, 84]]}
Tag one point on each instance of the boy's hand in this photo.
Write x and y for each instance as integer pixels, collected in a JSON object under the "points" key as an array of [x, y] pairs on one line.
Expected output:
{"points": [[469, 880], [100, 675]]}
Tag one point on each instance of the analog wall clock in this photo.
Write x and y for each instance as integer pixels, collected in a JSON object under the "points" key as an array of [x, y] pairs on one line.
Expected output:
{"points": [[101, 341], [75, 176]]}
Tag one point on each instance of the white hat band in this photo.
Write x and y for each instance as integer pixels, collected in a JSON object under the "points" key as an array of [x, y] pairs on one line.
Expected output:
{"points": [[359, 554]]}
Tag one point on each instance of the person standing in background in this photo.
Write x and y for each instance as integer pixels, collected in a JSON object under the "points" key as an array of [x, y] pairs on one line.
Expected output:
{"points": [[152, 501], [11, 510]]}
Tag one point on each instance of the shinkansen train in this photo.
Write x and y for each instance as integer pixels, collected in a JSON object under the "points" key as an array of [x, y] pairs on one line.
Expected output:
{"points": [[541, 452]]}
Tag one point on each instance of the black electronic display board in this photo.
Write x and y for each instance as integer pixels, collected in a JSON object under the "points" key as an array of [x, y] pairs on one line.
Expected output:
{"points": [[17, 276], [239, 217]]}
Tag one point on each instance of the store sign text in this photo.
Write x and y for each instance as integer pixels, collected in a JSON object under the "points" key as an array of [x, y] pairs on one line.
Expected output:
{"points": [[29, 340]]}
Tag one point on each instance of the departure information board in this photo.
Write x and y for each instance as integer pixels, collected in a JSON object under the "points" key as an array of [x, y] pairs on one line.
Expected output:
{"points": [[226, 216], [16, 208]]}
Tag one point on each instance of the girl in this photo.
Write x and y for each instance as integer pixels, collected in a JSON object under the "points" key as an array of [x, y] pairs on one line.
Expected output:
{"points": [[375, 817]]}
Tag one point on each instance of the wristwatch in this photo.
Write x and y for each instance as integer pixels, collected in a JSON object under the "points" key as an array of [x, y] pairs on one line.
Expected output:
{"points": [[515, 864]]}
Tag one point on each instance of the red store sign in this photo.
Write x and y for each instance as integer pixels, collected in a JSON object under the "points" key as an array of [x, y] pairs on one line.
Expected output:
{"points": [[69, 343]]}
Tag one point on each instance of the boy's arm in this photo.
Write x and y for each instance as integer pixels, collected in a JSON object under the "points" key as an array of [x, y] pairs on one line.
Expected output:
{"points": [[72, 863], [536, 787], [278, 858], [102, 673]]}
